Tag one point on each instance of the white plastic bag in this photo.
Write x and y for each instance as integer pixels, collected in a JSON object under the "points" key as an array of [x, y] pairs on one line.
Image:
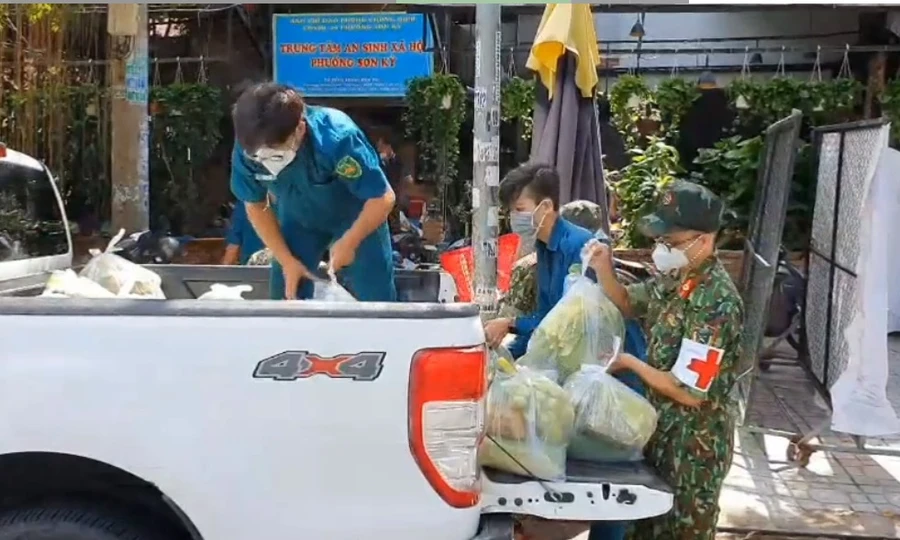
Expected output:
{"points": [[218, 291], [612, 421], [529, 423], [584, 327], [68, 284], [121, 277], [330, 291]]}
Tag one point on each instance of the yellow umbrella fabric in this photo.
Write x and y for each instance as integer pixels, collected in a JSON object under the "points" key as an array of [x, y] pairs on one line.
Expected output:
{"points": [[566, 27]]}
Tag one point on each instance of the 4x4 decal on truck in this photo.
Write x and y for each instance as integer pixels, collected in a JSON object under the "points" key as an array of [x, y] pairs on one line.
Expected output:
{"points": [[293, 365]]}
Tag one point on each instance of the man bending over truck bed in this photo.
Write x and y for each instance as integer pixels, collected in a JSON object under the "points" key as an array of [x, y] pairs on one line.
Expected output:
{"points": [[331, 190]]}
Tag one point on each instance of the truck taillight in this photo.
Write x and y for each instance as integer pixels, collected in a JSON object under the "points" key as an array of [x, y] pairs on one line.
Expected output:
{"points": [[446, 420]]}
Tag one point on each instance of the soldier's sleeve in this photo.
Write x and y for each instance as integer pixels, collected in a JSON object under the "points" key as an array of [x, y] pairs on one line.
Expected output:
{"points": [[710, 351], [243, 182], [357, 164]]}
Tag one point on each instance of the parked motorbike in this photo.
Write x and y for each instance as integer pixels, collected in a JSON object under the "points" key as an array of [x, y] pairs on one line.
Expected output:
{"points": [[147, 247], [410, 246]]}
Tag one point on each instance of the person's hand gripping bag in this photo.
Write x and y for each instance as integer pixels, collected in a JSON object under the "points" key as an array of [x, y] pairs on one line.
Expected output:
{"points": [[612, 421], [584, 327], [529, 422], [120, 276], [329, 290]]}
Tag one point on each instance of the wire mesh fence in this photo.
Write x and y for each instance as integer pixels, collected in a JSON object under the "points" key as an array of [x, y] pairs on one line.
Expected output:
{"points": [[766, 227], [847, 156]]}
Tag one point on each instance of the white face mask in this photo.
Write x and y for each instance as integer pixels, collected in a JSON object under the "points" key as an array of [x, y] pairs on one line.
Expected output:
{"points": [[273, 160], [668, 259]]}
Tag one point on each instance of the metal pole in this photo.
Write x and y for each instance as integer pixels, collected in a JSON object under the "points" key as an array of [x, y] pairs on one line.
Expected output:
{"points": [[486, 155]]}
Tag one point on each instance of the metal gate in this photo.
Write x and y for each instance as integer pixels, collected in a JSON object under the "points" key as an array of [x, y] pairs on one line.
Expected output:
{"points": [[765, 229], [846, 158]]}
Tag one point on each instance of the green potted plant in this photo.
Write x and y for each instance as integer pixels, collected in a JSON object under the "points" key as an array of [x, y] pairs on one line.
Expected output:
{"points": [[435, 110]]}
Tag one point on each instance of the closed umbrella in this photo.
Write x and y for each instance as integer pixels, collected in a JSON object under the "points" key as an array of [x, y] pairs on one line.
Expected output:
{"points": [[566, 129]]}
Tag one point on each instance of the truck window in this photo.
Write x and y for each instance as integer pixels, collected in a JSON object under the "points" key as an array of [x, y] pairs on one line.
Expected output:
{"points": [[31, 224]]}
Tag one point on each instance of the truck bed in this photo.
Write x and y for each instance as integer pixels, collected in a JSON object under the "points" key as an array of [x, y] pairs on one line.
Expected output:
{"points": [[592, 491], [187, 282]]}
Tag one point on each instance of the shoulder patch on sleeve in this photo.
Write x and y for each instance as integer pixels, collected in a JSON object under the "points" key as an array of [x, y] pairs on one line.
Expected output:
{"points": [[348, 168]]}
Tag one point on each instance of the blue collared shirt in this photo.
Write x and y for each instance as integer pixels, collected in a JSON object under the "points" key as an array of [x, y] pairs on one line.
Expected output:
{"points": [[324, 188], [555, 259]]}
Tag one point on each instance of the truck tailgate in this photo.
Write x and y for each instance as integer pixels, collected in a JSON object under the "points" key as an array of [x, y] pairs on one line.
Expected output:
{"points": [[591, 492]]}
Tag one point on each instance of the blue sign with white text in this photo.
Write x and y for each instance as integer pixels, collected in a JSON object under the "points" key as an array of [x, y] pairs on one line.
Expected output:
{"points": [[351, 54]]}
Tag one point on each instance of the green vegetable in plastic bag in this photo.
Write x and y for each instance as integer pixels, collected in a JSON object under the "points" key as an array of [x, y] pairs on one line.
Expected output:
{"points": [[530, 417], [585, 327], [587, 448], [610, 413]]}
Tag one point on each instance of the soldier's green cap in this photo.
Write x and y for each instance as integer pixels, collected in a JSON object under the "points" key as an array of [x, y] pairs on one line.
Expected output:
{"points": [[684, 206], [585, 214]]}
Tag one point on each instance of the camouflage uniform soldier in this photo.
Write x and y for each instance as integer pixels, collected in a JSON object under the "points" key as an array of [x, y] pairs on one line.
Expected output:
{"points": [[522, 295], [694, 315]]}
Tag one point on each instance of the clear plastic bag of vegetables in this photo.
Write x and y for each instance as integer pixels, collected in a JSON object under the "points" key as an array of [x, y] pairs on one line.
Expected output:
{"points": [[584, 327], [495, 355], [612, 421], [529, 422]]}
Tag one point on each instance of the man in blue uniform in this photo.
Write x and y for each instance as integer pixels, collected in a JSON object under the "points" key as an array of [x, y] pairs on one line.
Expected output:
{"points": [[531, 192], [242, 241], [331, 190]]}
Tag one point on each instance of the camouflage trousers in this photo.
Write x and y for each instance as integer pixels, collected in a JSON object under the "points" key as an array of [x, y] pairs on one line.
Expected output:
{"points": [[696, 469]]}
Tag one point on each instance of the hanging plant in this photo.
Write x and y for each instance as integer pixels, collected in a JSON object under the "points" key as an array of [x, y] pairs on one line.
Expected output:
{"points": [[184, 135], [630, 101], [435, 110], [781, 95], [674, 97], [639, 184], [517, 103], [834, 101]]}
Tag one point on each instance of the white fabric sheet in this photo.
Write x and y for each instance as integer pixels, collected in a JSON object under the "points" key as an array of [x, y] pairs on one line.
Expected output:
{"points": [[859, 396]]}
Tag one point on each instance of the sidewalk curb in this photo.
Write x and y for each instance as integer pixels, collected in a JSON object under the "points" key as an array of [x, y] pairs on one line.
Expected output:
{"points": [[799, 534]]}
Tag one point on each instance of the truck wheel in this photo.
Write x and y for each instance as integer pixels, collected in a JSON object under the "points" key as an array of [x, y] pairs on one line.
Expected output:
{"points": [[70, 522]]}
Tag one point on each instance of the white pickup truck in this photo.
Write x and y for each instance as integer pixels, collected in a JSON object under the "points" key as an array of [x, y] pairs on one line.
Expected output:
{"points": [[251, 420]]}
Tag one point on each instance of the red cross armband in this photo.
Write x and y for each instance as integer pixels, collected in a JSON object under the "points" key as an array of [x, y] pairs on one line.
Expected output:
{"points": [[697, 365]]}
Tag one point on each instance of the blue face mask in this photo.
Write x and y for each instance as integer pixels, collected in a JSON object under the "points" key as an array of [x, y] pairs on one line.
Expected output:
{"points": [[522, 223], [525, 224]]}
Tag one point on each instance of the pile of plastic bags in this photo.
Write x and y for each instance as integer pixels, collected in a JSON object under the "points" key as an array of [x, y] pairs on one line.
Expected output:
{"points": [[106, 275], [558, 401]]}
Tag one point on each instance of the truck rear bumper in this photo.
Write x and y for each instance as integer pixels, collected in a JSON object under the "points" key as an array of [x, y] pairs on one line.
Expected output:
{"points": [[592, 492], [496, 527]]}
